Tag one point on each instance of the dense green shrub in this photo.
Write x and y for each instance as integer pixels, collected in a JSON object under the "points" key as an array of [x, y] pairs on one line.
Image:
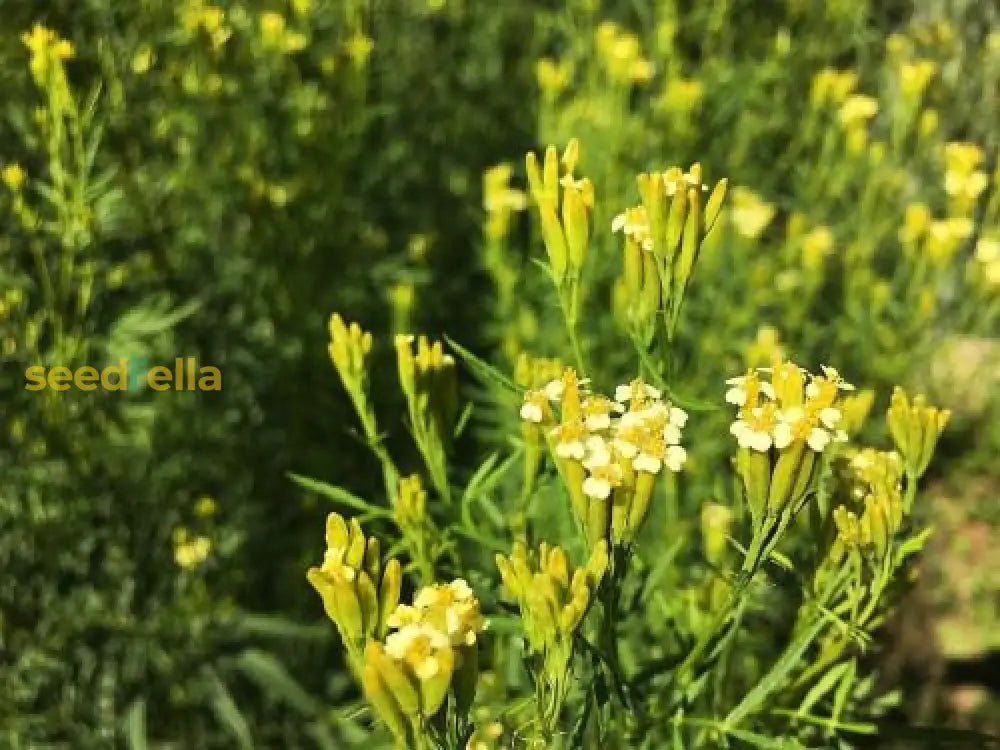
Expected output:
{"points": [[189, 179], [205, 181]]}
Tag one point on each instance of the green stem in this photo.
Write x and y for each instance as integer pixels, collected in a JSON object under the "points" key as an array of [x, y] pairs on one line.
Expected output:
{"points": [[568, 304], [709, 634]]}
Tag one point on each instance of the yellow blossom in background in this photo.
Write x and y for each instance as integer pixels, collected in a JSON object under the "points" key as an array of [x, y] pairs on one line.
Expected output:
{"points": [[358, 48], [988, 256], [13, 177], [500, 200], [206, 507], [642, 71], [928, 123], [275, 34], [621, 54], [48, 51], [195, 16], [553, 77], [914, 77], [944, 237], [765, 348], [963, 180], [190, 551], [816, 245], [857, 110], [916, 221], [681, 95], [750, 213], [832, 86], [489, 737], [142, 60]]}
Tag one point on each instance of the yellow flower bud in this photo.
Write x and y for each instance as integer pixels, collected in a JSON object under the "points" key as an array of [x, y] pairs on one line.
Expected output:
{"points": [[715, 524], [378, 694], [915, 428], [576, 227]]}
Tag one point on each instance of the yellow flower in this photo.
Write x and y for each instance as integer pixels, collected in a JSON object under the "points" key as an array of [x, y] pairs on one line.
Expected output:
{"points": [[642, 71], [206, 507], [681, 95], [788, 409], [13, 177], [750, 213], [190, 552], [829, 85], [914, 77], [359, 47], [816, 245], [450, 609], [765, 348], [857, 110], [634, 225], [916, 221], [421, 647], [553, 77]]}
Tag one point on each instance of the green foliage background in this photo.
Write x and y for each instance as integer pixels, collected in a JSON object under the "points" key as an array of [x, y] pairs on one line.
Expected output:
{"points": [[232, 195]]}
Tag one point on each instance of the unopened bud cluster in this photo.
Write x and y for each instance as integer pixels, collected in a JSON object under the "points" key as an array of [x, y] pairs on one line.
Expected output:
{"points": [[553, 600], [873, 513], [358, 593], [427, 377], [915, 428], [564, 204], [663, 237]]}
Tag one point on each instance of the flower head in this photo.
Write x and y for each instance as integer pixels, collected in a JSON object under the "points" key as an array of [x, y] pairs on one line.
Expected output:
{"points": [[794, 406]]}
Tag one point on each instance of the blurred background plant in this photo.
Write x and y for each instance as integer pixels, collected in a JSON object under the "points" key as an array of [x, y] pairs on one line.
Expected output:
{"points": [[192, 179]]}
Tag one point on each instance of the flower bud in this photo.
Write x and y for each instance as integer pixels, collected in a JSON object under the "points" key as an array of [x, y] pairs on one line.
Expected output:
{"points": [[378, 694], [915, 428], [675, 227], [576, 227], [388, 597], [714, 206], [715, 523], [598, 520], [690, 244], [555, 241]]}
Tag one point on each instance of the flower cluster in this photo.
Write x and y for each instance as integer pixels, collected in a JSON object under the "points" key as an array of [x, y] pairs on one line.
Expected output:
{"points": [[620, 52], [357, 592], [609, 451], [874, 511], [564, 219], [794, 405], [915, 427], [451, 609], [48, 51], [500, 200], [783, 424], [431, 652], [553, 600], [190, 551]]}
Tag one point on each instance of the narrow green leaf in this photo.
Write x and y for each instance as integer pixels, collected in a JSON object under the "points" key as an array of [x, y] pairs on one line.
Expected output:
{"points": [[821, 688], [844, 689], [912, 546], [463, 420], [773, 680], [271, 676], [134, 725], [339, 495], [278, 627], [227, 712], [481, 368]]}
